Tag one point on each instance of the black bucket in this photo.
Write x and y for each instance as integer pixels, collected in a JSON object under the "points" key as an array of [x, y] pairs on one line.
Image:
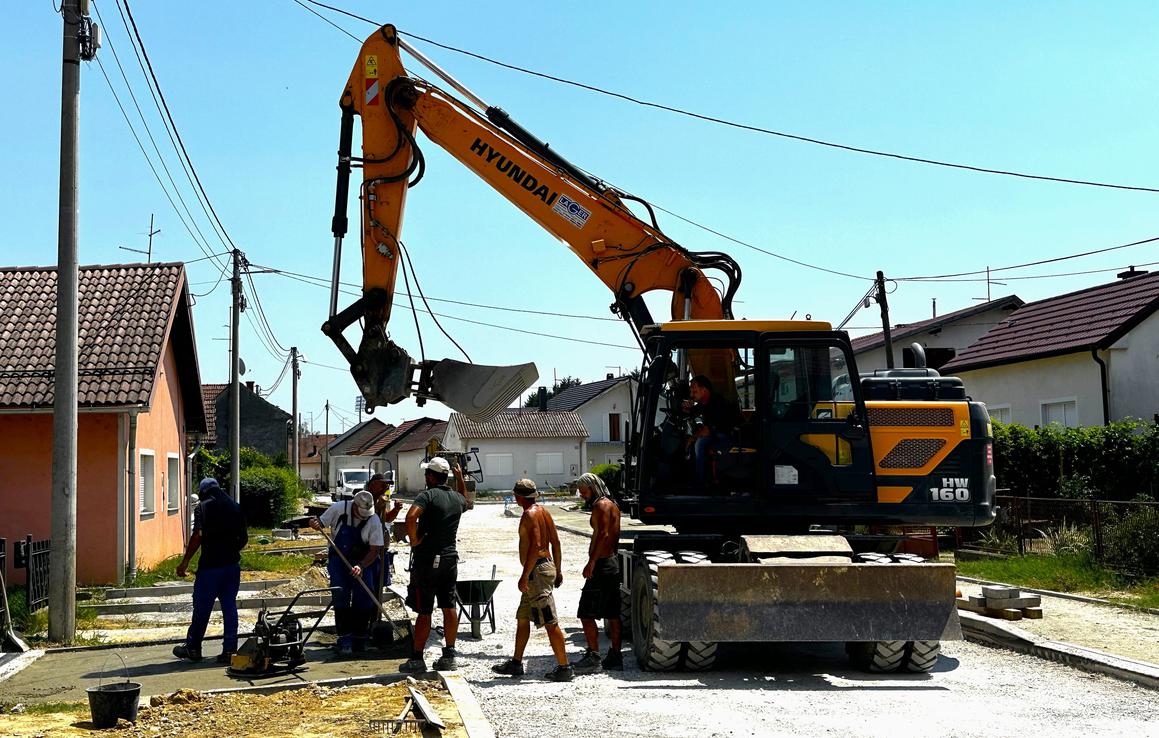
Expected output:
{"points": [[108, 702]]}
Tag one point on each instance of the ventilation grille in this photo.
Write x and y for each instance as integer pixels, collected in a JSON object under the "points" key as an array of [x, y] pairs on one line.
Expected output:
{"points": [[911, 417], [912, 453]]}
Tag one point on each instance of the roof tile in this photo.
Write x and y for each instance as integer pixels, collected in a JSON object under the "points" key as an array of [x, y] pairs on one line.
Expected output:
{"points": [[523, 423]]}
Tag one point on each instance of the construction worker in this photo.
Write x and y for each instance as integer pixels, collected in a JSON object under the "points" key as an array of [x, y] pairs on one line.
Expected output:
{"points": [[541, 573], [432, 525], [600, 598], [379, 489], [356, 533], [219, 530]]}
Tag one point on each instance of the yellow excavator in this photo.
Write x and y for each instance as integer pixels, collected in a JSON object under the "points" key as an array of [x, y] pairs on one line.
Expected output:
{"points": [[769, 536]]}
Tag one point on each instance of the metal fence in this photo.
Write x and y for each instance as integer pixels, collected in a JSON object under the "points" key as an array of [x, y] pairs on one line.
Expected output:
{"points": [[1112, 533], [35, 556]]}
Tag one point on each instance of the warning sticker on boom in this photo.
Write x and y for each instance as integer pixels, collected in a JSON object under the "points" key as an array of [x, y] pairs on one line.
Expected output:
{"points": [[571, 210]]}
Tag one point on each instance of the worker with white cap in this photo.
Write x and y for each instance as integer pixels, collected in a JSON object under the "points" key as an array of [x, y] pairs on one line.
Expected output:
{"points": [[432, 525], [356, 533]]}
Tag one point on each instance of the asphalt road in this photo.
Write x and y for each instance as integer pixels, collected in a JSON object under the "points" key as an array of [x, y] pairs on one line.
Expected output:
{"points": [[774, 689]]}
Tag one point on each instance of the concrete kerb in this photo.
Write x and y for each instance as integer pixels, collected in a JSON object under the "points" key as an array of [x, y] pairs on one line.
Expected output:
{"points": [[253, 603], [162, 590], [991, 632], [1065, 596], [12, 666]]}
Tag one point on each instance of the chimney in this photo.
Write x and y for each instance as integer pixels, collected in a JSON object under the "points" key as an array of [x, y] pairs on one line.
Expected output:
{"points": [[249, 386], [542, 399], [610, 376], [1132, 272]]}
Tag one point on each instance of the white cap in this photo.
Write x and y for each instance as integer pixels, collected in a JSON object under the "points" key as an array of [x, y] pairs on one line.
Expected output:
{"points": [[364, 501], [437, 465]]}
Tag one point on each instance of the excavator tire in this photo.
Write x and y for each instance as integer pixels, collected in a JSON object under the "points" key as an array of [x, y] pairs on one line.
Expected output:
{"points": [[890, 656], [652, 652], [698, 655], [625, 612]]}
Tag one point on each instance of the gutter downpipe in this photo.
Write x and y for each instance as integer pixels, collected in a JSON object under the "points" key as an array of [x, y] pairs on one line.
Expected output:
{"points": [[186, 514], [122, 482], [1103, 377], [131, 498]]}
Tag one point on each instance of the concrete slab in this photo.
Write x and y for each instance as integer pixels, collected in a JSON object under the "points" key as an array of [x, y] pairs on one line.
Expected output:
{"points": [[63, 677]]}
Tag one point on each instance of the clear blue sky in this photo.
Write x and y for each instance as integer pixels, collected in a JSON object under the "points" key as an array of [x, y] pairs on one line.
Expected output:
{"points": [[1061, 89]]}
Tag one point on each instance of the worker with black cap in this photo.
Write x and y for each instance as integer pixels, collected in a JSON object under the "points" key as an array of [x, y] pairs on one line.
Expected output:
{"points": [[542, 572], [219, 530]]}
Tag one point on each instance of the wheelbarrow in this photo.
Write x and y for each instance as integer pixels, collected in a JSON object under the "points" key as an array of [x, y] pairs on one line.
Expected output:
{"points": [[477, 602]]}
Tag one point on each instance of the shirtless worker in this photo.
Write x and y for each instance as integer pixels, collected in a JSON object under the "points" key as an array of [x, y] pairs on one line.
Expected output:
{"points": [[541, 573], [600, 598]]}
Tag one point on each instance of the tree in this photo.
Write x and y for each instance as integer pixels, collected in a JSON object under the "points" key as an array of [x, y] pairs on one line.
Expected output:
{"points": [[559, 386]]}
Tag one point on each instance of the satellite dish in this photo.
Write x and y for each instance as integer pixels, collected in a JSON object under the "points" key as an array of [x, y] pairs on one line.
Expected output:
{"points": [[240, 365]]}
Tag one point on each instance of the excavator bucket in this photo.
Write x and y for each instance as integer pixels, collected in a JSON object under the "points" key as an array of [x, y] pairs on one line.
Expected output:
{"points": [[807, 602], [383, 371], [479, 391]]}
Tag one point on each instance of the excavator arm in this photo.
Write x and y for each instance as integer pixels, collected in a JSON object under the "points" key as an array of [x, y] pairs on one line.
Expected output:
{"points": [[629, 255]]}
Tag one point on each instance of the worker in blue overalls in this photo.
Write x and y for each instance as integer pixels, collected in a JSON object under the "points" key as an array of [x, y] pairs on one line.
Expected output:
{"points": [[356, 533]]}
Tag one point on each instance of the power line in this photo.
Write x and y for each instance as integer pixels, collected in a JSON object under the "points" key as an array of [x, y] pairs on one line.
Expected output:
{"points": [[754, 128], [327, 20], [945, 277], [323, 283]]}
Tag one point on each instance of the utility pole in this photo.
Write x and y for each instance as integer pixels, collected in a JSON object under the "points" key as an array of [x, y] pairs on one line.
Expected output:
{"points": [[62, 583], [326, 469], [235, 383], [294, 420], [881, 300]]}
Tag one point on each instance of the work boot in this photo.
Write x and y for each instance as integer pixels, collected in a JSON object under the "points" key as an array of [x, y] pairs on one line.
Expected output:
{"points": [[413, 666], [183, 651], [589, 664], [446, 662], [225, 657], [510, 667], [561, 673], [614, 661]]}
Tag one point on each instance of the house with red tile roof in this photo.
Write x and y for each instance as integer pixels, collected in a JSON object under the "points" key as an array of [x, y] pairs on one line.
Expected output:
{"points": [[547, 446], [942, 337], [139, 396], [1083, 358]]}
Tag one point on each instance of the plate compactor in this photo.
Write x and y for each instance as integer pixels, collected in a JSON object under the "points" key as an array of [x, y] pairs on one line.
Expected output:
{"points": [[278, 643]]}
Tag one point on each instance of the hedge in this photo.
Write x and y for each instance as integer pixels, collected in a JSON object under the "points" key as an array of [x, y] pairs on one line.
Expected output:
{"points": [[1119, 461], [269, 495], [610, 473]]}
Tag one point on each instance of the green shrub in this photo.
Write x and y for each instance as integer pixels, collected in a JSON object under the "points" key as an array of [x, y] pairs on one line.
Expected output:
{"points": [[269, 495], [610, 473], [1069, 540], [1119, 461], [1132, 543]]}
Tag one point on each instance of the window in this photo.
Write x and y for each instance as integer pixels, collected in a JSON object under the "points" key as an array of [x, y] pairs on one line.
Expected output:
{"points": [[614, 427], [1064, 412], [809, 382], [549, 463], [1001, 413], [147, 483], [172, 483], [498, 465]]}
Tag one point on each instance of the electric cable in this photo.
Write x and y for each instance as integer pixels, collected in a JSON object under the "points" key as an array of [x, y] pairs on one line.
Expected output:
{"points": [[943, 277]]}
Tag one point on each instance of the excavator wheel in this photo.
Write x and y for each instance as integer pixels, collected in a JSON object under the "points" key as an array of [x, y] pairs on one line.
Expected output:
{"points": [[652, 652], [890, 656], [698, 655], [625, 612]]}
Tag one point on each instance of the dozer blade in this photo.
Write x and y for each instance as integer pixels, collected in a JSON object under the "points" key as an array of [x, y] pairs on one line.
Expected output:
{"points": [[478, 391], [807, 602]]}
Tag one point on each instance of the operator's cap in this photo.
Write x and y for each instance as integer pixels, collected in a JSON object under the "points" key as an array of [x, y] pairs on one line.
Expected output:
{"points": [[207, 484], [364, 503], [378, 478], [525, 488], [437, 465]]}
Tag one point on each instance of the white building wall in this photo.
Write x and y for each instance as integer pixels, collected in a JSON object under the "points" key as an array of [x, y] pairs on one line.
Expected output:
{"points": [[595, 412], [408, 477], [1023, 387], [1133, 371], [958, 335], [523, 453]]}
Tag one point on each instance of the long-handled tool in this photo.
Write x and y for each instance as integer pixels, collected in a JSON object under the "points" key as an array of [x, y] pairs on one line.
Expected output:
{"points": [[350, 568]]}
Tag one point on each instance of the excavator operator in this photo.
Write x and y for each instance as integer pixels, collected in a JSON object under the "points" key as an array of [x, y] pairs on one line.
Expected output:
{"points": [[714, 421]]}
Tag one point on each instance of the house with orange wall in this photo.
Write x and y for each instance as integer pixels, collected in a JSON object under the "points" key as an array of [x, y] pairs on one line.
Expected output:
{"points": [[139, 395]]}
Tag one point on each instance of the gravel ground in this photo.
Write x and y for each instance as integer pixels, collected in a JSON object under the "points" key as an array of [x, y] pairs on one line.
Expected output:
{"points": [[1118, 630], [770, 689]]}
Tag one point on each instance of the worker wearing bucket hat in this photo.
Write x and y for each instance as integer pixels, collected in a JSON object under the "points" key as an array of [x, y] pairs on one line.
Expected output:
{"points": [[357, 534]]}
